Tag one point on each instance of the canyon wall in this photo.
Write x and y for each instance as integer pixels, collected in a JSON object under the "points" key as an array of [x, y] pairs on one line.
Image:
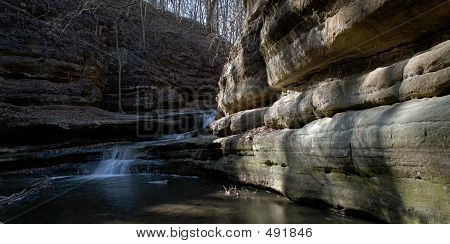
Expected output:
{"points": [[59, 70], [344, 103]]}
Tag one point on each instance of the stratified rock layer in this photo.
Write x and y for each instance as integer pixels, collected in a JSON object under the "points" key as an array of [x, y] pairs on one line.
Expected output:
{"points": [[243, 84], [301, 37], [390, 162], [423, 75], [362, 123], [238, 122], [59, 75]]}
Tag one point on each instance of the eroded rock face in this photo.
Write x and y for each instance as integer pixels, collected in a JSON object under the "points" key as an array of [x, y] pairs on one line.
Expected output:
{"points": [[48, 47], [362, 122], [44, 92], [243, 84], [291, 111], [49, 63], [253, 9], [427, 74], [423, 75], [145, 98], [238, 122], [301, 37], [390, 161], [44, 124]]}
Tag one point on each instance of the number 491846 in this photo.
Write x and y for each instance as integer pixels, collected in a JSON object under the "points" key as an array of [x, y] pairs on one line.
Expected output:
{"points": [[291, 232]]}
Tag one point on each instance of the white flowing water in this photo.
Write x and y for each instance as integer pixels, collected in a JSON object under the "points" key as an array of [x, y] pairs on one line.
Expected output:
{"points": [[175, 137], [208, 118], [116, 162], [119, 160]]}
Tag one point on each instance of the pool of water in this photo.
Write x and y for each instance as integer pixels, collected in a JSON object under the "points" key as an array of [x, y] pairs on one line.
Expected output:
{"points": [[152, 198]]}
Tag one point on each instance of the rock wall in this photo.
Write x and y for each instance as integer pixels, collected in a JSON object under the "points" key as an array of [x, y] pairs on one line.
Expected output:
{"points": [[243, 84], [59, 69], [362, 123]]}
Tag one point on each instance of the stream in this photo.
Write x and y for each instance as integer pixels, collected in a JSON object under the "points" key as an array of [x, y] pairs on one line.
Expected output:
{"points": [[113, 192]]}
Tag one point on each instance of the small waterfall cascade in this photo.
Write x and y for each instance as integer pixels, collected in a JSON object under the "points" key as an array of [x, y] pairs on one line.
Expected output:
{"points": [[205, 119], [208, 118], [117, 161]]}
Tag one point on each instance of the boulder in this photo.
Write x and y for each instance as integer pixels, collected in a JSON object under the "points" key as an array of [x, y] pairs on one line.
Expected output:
{"points": [[221, 127]]}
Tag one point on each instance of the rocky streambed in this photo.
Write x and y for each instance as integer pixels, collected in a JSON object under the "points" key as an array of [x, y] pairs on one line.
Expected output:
{"points": [[130, 183]]}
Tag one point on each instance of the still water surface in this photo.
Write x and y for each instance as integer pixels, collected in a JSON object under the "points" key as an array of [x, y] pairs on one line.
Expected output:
{"points": [[153, 198]]}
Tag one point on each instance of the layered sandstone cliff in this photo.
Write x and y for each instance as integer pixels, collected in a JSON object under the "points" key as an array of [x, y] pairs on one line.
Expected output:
{"points": [[362, 122], [59, 70]]}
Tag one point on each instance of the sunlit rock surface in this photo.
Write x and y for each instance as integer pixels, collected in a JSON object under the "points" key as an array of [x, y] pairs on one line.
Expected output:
{"points": [[243, 84], [362, 121]]}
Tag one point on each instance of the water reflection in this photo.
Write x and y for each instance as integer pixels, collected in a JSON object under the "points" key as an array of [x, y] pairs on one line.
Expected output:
{"points": [[159, 198]]}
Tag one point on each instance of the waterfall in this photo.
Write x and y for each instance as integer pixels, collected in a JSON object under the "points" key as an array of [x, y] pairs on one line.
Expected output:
{"points": [[208, 118], [116, 162], [205, 118], [119, 160]]}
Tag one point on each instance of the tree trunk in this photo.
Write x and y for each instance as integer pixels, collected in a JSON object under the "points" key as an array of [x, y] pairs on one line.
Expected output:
{"points": [[119, 60], [211, 19], [143, 24]]}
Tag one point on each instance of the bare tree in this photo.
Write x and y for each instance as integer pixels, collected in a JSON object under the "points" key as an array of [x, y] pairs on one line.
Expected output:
{"points": [[221, 17], [143, 17], [212, 18], [119, 63]]}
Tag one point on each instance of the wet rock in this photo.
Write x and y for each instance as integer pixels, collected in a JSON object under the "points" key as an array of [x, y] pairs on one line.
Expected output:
{"points": [[59, 123], [197, 148]]}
